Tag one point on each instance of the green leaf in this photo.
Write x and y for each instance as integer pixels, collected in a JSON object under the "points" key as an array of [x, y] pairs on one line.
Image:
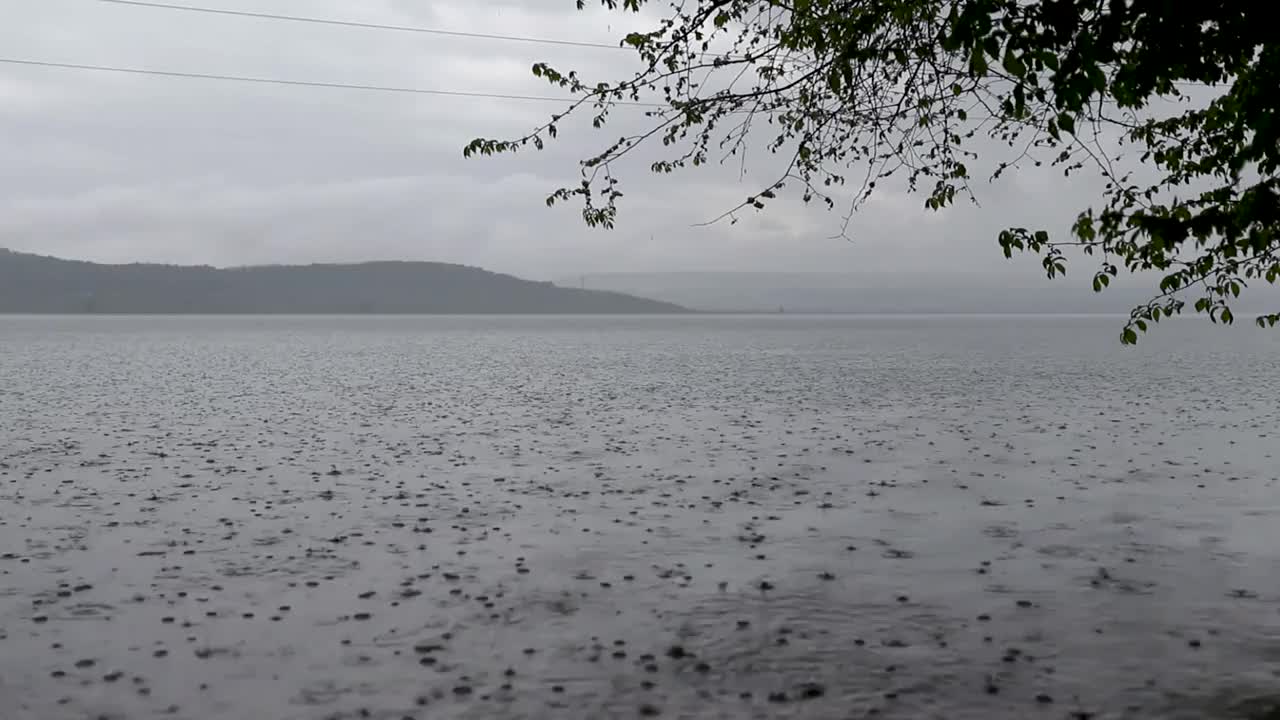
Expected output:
{"points": [[1097, 78], [978, 62], [1013, 64]]}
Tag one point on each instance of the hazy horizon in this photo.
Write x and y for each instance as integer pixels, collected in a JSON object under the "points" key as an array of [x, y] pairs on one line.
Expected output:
{"points": [[819, 292]]}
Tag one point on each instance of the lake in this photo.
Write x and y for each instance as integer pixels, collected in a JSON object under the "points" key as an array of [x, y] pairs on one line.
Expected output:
{"points": [[693, 517]]}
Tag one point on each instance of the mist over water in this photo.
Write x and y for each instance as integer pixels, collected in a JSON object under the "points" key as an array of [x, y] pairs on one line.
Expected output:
{"points": [[702, 517]]}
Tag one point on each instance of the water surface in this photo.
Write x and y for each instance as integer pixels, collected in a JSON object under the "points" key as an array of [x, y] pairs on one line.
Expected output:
{"points": [[696, 517]]}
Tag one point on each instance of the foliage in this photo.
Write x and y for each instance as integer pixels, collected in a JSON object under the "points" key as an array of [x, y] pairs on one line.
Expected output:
{"points": [[852, 92]]}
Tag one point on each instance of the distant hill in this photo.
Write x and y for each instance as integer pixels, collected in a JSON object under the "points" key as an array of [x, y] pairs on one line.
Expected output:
{"points": [[38, 284]]}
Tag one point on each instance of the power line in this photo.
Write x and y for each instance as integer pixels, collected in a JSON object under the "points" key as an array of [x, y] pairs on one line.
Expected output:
{"points": [[369, 26], [301, 83], [414, 29]]}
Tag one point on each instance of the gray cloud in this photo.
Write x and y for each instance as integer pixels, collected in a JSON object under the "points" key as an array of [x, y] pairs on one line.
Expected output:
{"points": [[123, 168]]}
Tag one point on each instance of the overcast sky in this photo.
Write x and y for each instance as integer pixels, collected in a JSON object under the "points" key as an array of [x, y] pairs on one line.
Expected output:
{"points": [[123, 168]]}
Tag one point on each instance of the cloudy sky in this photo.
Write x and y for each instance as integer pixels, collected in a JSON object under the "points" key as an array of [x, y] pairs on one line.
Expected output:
{"points": [[123, 168]]}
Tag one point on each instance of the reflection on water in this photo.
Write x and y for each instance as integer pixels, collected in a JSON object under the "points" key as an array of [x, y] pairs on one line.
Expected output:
{"points": [[679, 517]]}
